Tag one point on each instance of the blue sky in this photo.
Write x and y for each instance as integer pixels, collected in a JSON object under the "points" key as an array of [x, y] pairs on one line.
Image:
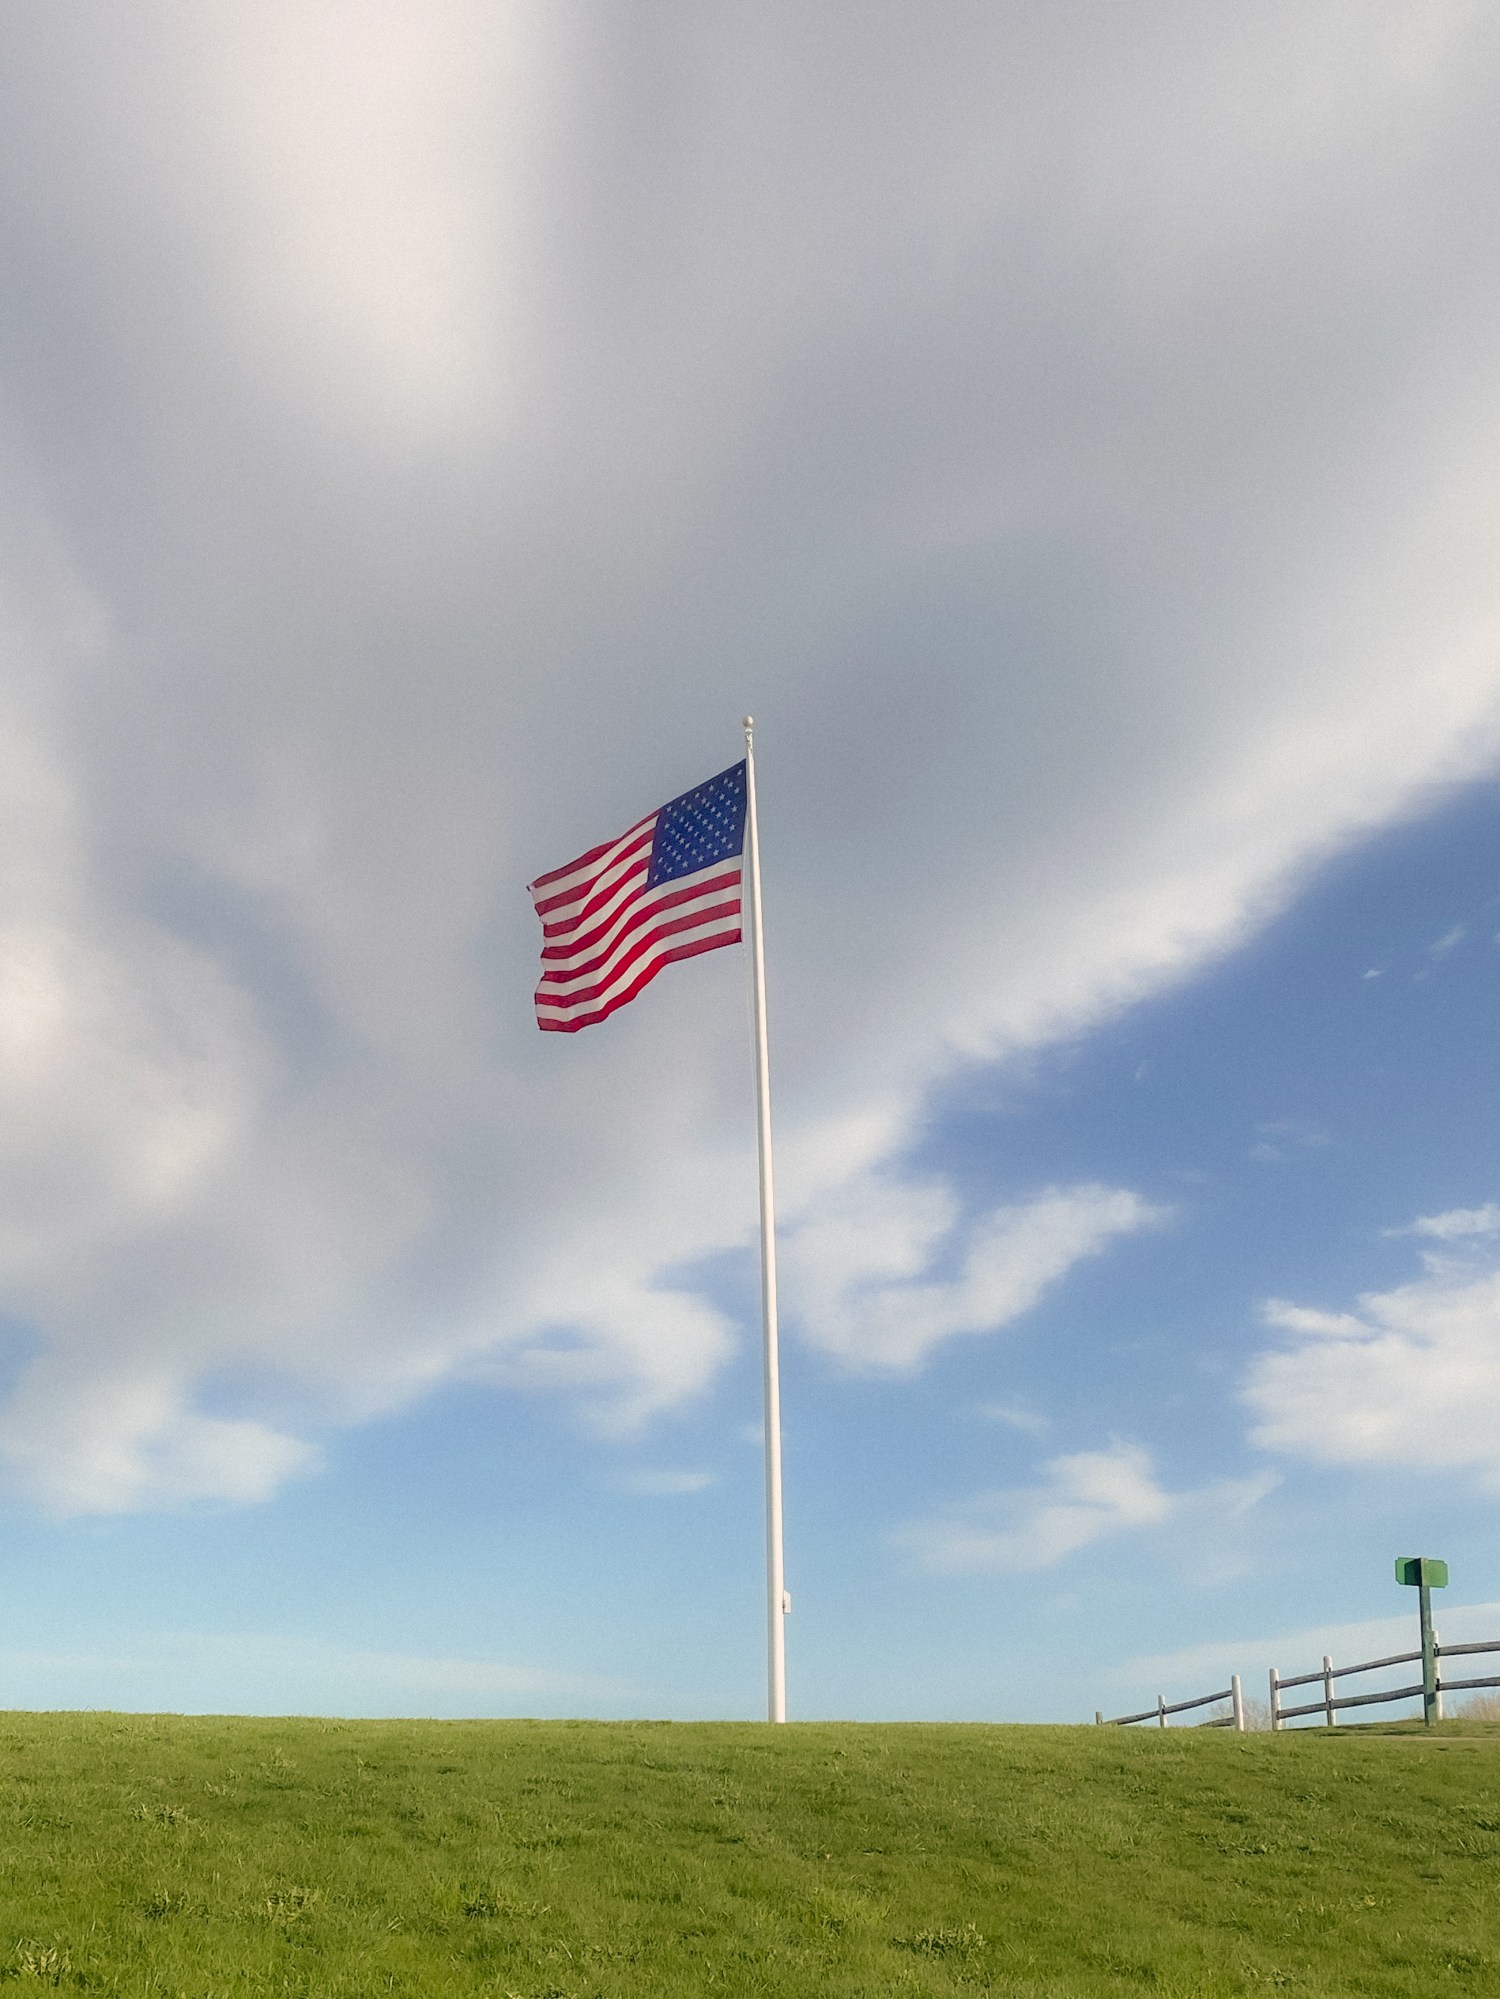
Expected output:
{"points": [[423, 433], [486, 1553]]}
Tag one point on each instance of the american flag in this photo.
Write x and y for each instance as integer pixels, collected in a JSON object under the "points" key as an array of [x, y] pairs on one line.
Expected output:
{"points": [[667, 889]]}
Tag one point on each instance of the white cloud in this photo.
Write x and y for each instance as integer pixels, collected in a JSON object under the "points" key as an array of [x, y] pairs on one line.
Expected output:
{"points": [[1455, 1223], [857, 1272], [1084, 1497], [667, 1484], [371, 158], [626, 1349], [457, 427], [1279, 1133], [116, 1441], [1411, 1377], [1014, 1416]]}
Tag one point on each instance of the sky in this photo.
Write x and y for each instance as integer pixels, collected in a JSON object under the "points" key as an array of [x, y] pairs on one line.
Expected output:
{"points": [[424, 432]]}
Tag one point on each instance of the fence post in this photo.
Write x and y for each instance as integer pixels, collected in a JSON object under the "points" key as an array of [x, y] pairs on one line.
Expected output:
{"points": [[1237, 1701], [1429, 1661], [1437, 1653], [1275, 1702], [1327, 1691], [1161, 1710]]}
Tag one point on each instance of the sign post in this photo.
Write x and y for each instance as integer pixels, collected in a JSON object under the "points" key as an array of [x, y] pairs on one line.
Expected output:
{"points": [[1425, 1573]]}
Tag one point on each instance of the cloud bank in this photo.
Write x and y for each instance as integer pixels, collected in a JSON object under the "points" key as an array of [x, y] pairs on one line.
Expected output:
{"points": [[1083, 1497], [425, 430], [1411, 1377], [856, 1269], [1456, 1222]]}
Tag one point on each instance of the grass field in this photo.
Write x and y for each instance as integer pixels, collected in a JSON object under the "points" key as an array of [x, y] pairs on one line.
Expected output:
{"points": [[566, 1860]]}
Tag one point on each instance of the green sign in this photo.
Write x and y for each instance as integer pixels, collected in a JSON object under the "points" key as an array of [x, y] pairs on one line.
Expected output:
{"points": [[1422, 1571]]}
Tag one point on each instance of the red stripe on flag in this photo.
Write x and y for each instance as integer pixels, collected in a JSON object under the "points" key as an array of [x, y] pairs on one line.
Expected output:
{"points": [[570, 1023], [622, 920], [593, 854], [606, 903], [617, 853], [622, 961]]}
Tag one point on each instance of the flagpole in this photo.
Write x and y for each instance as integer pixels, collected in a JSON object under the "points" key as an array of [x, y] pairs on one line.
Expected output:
{"points": [[776, 1597]]}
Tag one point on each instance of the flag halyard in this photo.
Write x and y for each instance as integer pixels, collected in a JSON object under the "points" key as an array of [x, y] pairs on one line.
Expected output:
{"points": [[670, 887]]}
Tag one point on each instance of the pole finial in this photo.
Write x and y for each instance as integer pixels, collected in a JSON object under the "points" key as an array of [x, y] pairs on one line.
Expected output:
{"points": [[749, 723]]}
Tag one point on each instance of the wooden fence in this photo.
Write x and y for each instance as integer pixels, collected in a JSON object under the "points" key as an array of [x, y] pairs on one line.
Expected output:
{"points": [[1234, 1719], [1328, 1703]]}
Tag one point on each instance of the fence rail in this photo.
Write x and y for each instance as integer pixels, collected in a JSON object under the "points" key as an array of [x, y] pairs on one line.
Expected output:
{"points": [[1330, 1703], [1234, 1719]]}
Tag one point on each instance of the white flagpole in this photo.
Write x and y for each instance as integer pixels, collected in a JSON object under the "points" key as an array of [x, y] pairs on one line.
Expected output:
{"points": [[776, 1597]]}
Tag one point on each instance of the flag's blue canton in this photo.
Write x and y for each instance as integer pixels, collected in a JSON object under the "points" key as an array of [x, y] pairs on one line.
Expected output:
{"points": [[705, 825]]}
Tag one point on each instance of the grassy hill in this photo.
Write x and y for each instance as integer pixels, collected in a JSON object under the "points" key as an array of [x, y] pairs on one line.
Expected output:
{"points": [[212, 1857]]}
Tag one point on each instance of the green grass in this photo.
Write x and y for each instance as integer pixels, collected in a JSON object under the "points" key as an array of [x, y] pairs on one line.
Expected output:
{"points": [[213, 1857]]}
